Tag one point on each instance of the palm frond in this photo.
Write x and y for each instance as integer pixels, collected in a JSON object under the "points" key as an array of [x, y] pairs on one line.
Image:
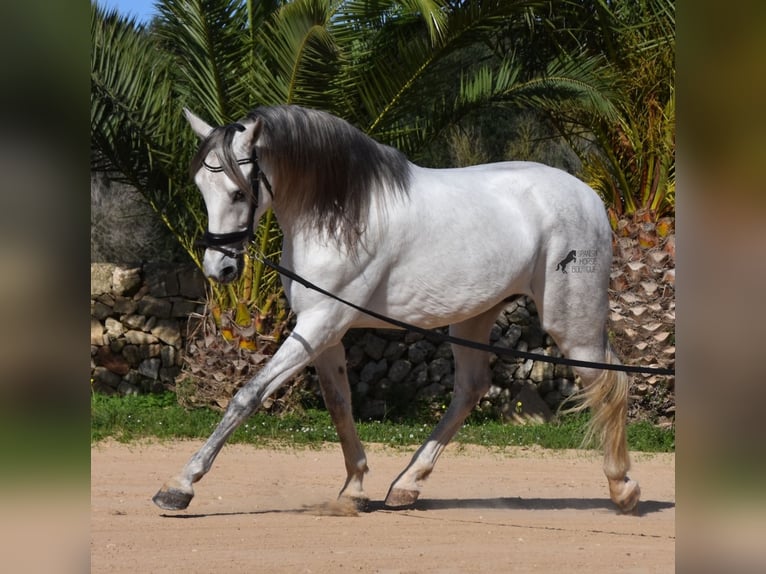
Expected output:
{"points": [[129, 111], [208, 40], [299, 57]]}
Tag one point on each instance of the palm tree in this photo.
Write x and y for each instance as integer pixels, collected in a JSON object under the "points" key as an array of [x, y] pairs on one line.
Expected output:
{"points": [[630, 158], [401, 70]]}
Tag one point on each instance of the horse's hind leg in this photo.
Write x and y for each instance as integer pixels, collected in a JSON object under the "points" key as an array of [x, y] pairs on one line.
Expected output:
{"points": [[472, 380], [607, 397], [331, 366], [574, 314]]}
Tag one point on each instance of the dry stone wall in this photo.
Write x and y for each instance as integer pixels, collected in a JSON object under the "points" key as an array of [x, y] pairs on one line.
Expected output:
{"points": [[138, 319], [390, 371]]}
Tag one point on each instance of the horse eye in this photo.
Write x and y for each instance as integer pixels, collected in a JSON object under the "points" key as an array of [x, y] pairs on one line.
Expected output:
{"points": [[238, 196]]}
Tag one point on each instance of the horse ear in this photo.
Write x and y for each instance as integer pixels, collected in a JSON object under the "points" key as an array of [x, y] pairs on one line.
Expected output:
{"points": [[200, 127], [257, 127]]}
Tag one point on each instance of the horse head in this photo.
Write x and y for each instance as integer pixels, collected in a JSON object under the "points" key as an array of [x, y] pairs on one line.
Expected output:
{"points": [[227, 173]]}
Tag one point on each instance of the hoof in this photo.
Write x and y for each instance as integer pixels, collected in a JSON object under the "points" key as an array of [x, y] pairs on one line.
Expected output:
{"points": [[400, 498], [625, 495], [170, 498], [360, 503]]}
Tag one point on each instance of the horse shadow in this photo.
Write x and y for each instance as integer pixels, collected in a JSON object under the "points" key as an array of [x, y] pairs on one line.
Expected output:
{"points": [[645, 507], [517, 503]]}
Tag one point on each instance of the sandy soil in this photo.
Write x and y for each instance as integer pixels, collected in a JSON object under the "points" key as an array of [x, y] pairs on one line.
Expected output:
{"points": [[258, 510]]}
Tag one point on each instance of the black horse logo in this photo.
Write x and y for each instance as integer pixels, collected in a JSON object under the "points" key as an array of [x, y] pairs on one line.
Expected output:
{"points": [[571, 256]]}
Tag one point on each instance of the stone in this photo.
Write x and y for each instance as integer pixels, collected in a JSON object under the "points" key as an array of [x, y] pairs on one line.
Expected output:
{"points": [[101, 278], [140, 338], [420, 351], [399, 370], [361, 389], [150, 368], [117, 345], [191, 283], [374, 346], [419, 375], [162, 282], [168, 332], [153, 350], [355, 357], [125, 305], [125, 281], [149, 325], [527, 406], [168, 356], [136, 322], [411, 337], [113, 362], [439, 368], [153, 306], [520, 316], [443, 351], [100, 311], [541, 371], [106, 377], [96, 332], [394, 350], [106, 298], [533, 335], [373, 371], [132, 354], [503, 373], [113, 328], [523, 370]]}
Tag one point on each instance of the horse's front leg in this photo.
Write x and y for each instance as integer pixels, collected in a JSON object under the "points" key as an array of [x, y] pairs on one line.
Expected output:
{"points": [[333, 379], [294, 354]]}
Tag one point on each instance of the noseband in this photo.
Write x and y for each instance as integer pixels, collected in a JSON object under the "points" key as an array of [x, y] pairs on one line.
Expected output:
{"points": [[233, 244]]}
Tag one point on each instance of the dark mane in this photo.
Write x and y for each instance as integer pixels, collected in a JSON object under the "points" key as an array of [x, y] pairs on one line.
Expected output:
{"points": [[325, 169]]}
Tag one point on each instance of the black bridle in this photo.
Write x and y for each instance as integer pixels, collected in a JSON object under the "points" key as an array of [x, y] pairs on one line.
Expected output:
{"points": [[234, 243]]}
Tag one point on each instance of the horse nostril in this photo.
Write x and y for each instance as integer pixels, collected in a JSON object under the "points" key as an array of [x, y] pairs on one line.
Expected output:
{"points": [[228, 273]]}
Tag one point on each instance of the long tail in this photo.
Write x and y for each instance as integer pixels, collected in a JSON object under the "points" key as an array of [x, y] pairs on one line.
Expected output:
{"points": [[607, 399]]}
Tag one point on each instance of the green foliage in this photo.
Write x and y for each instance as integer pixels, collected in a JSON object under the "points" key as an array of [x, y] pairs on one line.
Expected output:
{"points": [[159, 416], [630, 159]]}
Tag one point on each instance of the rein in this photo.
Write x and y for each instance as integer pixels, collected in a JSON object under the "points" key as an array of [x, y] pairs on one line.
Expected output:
{"points": [[464, 342]]}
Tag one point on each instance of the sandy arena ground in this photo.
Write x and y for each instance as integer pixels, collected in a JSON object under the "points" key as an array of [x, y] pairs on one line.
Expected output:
{"points": [[273, 511]]}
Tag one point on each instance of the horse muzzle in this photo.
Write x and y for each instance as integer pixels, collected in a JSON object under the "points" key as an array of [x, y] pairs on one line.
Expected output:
{"points": [[221, 265]]}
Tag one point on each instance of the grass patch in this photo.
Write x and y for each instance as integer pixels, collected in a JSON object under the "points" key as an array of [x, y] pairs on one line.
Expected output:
{"points": [[145, 416]]}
